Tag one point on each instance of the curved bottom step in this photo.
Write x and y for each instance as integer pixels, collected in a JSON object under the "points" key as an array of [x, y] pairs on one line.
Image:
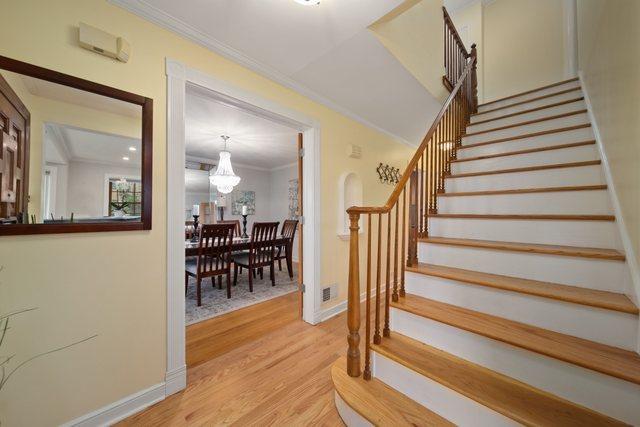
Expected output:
{"points": [[365, 403]]}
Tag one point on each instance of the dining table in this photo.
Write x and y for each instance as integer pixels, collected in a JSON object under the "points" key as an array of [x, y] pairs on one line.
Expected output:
{"points": [[239, 244]]}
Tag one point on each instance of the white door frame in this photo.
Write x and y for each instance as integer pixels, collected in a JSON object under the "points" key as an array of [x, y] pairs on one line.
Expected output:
{"points": [[178, 77]]}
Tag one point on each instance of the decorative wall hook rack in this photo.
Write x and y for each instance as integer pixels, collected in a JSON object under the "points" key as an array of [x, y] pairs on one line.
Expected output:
{"points": [[388, 174]]}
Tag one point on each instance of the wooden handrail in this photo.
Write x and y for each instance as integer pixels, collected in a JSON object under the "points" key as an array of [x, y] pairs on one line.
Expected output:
{"points": [[418, 188], [397, 191], [449, 23]]}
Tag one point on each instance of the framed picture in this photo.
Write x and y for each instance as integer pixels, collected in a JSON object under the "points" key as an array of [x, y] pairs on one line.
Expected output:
{"points": [[293, 199], [244, 198]]}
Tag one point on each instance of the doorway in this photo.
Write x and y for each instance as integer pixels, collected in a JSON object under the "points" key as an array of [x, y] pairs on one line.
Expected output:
{"points": [[307, 130]]}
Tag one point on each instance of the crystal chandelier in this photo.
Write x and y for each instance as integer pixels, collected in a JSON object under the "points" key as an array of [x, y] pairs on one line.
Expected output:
{"points": [[224, 179]]}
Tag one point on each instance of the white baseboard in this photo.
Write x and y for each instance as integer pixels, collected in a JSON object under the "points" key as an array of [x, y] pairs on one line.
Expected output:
{"points": [[121, 409], [175, 380], [328, 313]]}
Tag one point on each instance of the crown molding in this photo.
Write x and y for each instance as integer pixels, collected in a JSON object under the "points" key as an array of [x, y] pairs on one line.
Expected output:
{"points": [[279, 168], [164, 20]]}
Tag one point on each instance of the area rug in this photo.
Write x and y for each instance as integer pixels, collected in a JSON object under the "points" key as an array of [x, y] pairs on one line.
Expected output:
{"points": [[215, 302]]}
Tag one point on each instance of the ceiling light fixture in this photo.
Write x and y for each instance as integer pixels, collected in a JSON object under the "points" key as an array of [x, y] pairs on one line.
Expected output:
{"points": [[125, 158], [308, 2], [133, 149], [224, 179]]}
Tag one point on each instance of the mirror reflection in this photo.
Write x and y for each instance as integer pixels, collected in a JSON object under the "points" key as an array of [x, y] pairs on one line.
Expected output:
{"points": [[68, 156]]}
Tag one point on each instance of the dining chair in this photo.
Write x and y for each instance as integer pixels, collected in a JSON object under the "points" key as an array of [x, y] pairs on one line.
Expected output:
{"points": [[237, 231], [285, 250], [214, 257], [261, 253]]}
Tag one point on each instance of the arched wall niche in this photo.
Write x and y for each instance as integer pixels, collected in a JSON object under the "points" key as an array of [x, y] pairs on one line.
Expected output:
{"points": [[349, 194]]}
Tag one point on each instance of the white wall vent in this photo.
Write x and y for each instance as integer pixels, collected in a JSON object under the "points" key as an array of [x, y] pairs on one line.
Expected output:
{"points": [[330, 292], [354, 151]]}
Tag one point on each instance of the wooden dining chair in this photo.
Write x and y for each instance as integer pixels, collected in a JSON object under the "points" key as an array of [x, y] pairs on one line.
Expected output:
{"points": [[285, 250], [214, 257], [261, 253], [237, 231]]}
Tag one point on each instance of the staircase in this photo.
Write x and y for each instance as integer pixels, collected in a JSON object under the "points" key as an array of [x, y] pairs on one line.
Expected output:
{"points": [[512, 308]]}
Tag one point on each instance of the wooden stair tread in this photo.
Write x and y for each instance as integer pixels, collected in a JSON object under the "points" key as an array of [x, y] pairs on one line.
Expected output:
{"points": [[527, 169], [526, 135], [531, 110], [573, 294], [574, 251], [528, 151], [528, 122], [380, 404], [507, 396], [613, 361], [549, 217], [515, 104], [526, 191], [575, 79]]}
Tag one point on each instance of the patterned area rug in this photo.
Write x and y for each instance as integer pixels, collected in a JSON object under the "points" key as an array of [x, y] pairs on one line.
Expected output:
{"points": [[215, 302]]}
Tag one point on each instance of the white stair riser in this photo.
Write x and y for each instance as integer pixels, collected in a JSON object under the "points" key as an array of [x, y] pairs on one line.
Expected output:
{"points": [[574, 120], [592, 202], [581, 153], [349, 416], [586, 322], [527, 106], [599, 234], [552, 111], [557, 177], [528, 96], [440, 399], [549, 140], [602, 393], [591, 273]]}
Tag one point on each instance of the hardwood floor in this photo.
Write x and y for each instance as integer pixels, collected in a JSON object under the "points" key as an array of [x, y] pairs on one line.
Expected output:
{"points": [[282, 377], [214, 337]]}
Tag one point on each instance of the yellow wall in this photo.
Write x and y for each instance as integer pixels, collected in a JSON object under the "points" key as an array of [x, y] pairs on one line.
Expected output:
{"points": [[609, 59], [471, 18], [113, 284], [415, 38], [523, 46], [46, 110]]}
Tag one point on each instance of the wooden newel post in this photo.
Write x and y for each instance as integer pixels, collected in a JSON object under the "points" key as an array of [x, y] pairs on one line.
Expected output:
{"points": [[353, 299], [474, 78], [412, 249]]}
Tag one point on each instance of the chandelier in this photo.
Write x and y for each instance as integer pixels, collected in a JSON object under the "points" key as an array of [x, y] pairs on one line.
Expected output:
{"points": [[224, 179]]}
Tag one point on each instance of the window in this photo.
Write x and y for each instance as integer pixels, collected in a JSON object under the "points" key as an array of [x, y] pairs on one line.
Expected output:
{"points": [[125, 197]]}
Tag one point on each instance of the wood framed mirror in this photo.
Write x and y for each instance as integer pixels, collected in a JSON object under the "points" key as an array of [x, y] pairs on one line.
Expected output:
{"points": [[75, 156]]}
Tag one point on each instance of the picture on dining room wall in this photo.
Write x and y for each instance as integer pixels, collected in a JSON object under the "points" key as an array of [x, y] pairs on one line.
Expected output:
{"points": [[293, 199], [244, 198]]}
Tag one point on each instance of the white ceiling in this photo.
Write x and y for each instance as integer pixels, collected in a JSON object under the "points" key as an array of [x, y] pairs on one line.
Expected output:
{"points": [[255, 141], [64, 144], [324, 52], [282, 34]]}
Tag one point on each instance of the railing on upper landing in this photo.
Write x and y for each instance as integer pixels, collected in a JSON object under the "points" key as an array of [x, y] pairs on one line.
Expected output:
{"points": [[405, 216]]}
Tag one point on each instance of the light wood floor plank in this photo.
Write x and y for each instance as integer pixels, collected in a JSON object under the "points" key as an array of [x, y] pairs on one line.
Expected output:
{"points": [[279, 377]]}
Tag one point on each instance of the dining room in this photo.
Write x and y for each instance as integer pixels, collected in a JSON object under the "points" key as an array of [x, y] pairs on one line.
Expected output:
{"points": [[241, 210]]}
